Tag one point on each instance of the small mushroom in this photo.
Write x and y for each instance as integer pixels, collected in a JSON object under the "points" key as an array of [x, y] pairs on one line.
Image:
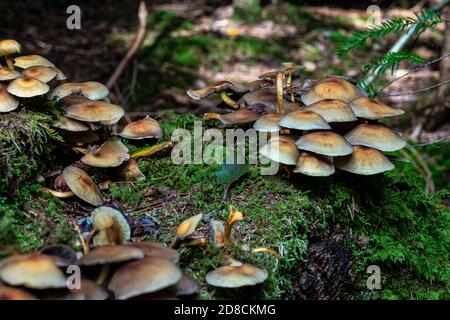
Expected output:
{"points": [[105, 255], [8, 74], [153, 249], [110, 154], [376, 136], [333, 110], [147, 128], [71, 100], [89, 290], [7, 48], [241, 116], [186, 286], [111, 226], [236, 275], [27, 87], [331, 88], [44, 74], [80, 183], [71, 125], [304, 120], [364, 161], [216, 230], [326, 143], [91, 90], [95, 111], [266, 99], [268, 123], [130, 171], [364, 107], [234, 217], [7, 101], [215, 87], [188, 226], [314, 165], [32, 60], [281, 150]]}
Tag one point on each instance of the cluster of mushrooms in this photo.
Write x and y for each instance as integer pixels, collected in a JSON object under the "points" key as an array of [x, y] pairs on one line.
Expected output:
{"points": [[316, 126]]}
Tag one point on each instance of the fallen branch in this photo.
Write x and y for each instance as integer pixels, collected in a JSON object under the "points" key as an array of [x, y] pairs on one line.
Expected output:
{"points": [[415, 91]]}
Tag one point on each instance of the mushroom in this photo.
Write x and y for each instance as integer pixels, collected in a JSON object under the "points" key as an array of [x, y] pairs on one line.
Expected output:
{"points": [[7, 101], [268, 123], [376, 136], [95, 111], [216, 87], [241, 116], [236, 275], [216, 230], [266, 99], [8, 74], [186, 286], [130, 171], [111, 226], [110, 154], [44, 74], [147, 128], [62, 251], [365, 161], [71, 100], [331, 88], [304, 120], [281, 149], [80, 183], [35, 271], [153, 249], [60, 76], [333, 110], [233, 217], [326, 143], [8, 293], [364, 107], [314, 165], [32, 60], [187, 228], [27, 87], [7, 48], [91, 90], [71, 125], [89, 290], [105, 255]]}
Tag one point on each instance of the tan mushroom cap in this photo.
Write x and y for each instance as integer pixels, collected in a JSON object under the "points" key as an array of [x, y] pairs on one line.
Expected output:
{"points": [[89, 290], [80, 183], [235, 276], [111, 226], [110, 254], [333, 110], [188, 226], [9, 46], [376, 136], [185, 287], [365, 161], [32, 60], [60, 76], [8, 293], [71, 125], [268, 97], [7, 101], [142, 129], [304, 120], [8, 74], [95, 111], [110, 154], [364, 107], [280, 150], [91, 90], [314, 165], [36, 271], [144, 276], [130, 171], [241, 116], [153, 249], [71, 100], [331, 88], [268, 122], [44, 74], [326, 143], [214, 87], [27, 87]]}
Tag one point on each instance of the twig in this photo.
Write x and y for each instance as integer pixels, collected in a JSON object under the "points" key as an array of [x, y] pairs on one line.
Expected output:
{"points": [[415, 91], [431, 142], [140, 36]]}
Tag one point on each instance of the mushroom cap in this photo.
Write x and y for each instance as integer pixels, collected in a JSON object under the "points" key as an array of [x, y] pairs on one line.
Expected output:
{"points": [[32, 60], [8, 74], [185, 287], [144, 276], [268, 122], [304, 120], [27, 87], [365, 161], [95, 111], [110, 154], [44, 74], [243, 115], [7, 101], [314, 165], [130, 171], [79, 137], [364, 107], [89, 290], [235, 276], [268, 98], [333, 110], [376, 136], [8, 293], [214, 87], [91, 90], [80, 183], [142, 129], [71, 125], [280, 150], [62, 251], [71, 100], [36, 271], [111, 225], [331, 88], [9, 46], [153, 249], [60, 76], [188, 226], [326, 143], [110, 254]]}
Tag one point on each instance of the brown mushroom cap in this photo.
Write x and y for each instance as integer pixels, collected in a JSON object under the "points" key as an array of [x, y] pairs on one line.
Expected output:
{"points": [[110, 254], [365, 161], [27, 87], [82, 185], [71, 125], [8, 74], [7, 101], [241, 116], [44, 74], [333, 110], [314, 165], [91, 90], [9, 46], [8, 293], [110, 154], [95, 111], [188, 226], [130, 171], [214, 87], [185, 287], [144, 276], [331, 88], [376, 136], [111, 225], [32, 60], [326, 143], [268, 98], [235, 276], [268, 122], [364, 107], [142, 129], [304, 120], [89, 290], [71, 100], [36, 271], [153, 249], [280, 150]]}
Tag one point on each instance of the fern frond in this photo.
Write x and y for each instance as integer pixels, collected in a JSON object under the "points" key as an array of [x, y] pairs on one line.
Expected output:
{"points": [[390, 61]]}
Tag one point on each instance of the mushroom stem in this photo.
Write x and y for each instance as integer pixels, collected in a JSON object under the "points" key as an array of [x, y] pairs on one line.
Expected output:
{"points": [[9, 62], [230, 102], [211, 116], [280, 102], [89, 239], [58, 194], [234, 217], [103, 274]]}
